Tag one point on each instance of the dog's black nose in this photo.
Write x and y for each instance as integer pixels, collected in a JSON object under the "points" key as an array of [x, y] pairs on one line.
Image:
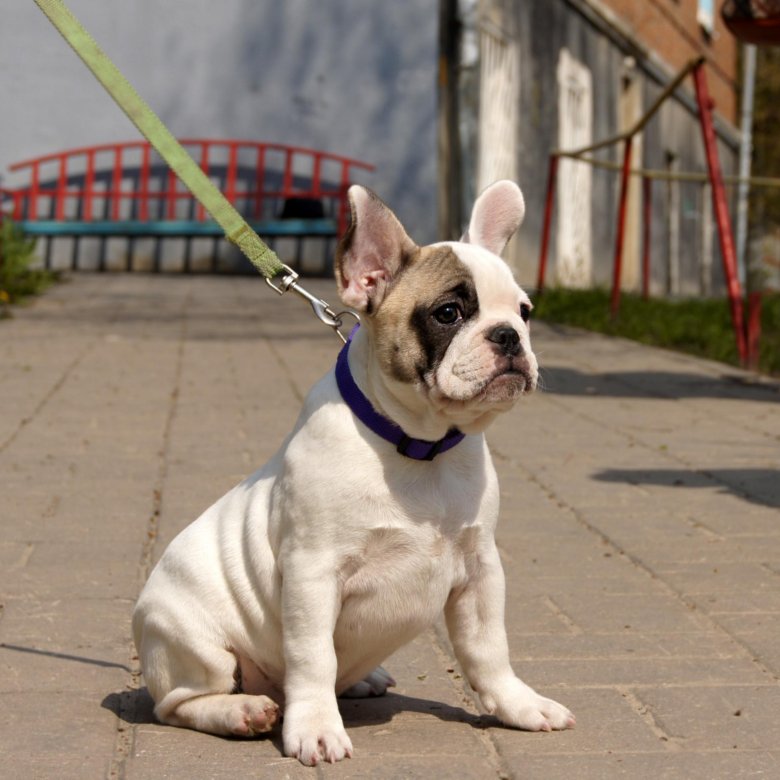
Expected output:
{"points": [[507, 338]]}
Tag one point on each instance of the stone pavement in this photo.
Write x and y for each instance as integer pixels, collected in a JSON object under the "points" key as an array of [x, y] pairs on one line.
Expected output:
{"points": [[640, 532]]}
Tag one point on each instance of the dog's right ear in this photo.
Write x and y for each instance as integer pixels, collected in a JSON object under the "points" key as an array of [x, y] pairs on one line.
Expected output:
{"points": [[372, 252]]}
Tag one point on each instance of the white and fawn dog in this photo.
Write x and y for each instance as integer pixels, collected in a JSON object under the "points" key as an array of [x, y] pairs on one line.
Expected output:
{"points": [[374, 517]]}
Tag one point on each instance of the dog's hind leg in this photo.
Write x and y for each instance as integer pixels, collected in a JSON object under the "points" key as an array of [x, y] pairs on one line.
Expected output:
{"points": [[193, 686], [374, 684], [230, 714]]}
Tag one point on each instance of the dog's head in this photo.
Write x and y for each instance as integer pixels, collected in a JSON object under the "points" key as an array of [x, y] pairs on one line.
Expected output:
{"points": [[447, 322]]}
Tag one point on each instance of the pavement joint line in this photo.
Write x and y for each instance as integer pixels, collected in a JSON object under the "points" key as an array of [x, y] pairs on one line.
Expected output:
{"points": [[645, 712], [566, 619], [285, 368], [470, 702], [125, 727], [768, 567], [698, 525], [247, 452], [640, 565], [25, 556], [733, 487], [53, 390], [57, 386]]}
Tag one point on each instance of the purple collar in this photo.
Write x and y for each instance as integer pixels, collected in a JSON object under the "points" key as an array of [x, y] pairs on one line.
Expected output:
{"points": [[361, 407]]}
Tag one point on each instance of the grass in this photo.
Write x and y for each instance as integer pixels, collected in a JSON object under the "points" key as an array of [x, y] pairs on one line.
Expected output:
{"points": [[17, 280], [698, 327]]}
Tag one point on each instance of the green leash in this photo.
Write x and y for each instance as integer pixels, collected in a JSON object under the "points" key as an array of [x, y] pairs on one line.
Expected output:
{"points": [[235, 226]]}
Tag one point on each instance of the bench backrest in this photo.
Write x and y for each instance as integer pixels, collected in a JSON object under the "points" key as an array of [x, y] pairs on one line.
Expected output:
{"points": [[128, 181]]}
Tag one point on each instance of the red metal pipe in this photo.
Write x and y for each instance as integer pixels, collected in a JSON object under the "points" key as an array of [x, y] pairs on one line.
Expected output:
{"points": [[204, 166], [617, 267], [170, 193], [552, 178], [144, 183], [32, 203], [61, 189], [725, 235], [647, 216], [89, 186], [232, 172], [260, 180], [116, 183]]}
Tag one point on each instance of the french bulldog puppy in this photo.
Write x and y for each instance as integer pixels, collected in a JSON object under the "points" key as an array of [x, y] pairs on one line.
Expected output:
{"points": [[376, 515]]}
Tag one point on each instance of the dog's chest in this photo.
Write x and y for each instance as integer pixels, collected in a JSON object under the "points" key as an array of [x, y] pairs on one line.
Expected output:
{"points": [[400, 580]]}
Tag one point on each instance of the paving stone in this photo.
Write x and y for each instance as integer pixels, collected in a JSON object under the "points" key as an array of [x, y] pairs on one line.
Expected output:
{"points": [[605, 722], [639, 535], [652, 766], [729, 717]]}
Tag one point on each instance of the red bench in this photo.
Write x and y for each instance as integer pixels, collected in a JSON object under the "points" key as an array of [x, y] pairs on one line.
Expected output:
{"points": [[125, 190]]}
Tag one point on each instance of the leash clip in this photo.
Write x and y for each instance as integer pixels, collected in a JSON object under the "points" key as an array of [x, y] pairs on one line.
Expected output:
{"points": [[321, 308]]}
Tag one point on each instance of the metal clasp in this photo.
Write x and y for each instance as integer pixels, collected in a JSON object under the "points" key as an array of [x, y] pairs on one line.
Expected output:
{"points": [[321, 308]]}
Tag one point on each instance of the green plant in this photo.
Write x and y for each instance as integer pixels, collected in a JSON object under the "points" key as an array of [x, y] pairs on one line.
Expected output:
{"points": [[17, 252], [696, 326]]}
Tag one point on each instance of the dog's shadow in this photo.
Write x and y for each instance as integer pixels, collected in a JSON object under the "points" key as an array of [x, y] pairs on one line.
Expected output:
{"points": [[135, 707]]}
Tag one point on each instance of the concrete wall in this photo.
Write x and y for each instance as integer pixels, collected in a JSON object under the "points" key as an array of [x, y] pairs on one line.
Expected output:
{"points": [[541, 29], [346, 76]]}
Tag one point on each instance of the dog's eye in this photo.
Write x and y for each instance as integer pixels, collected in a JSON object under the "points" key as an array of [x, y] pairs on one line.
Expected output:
{"points": [[448, 314], [525, 312]]}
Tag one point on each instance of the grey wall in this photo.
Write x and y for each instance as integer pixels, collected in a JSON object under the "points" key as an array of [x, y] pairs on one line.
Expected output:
{"points": [[542, 28], [351, 77]]}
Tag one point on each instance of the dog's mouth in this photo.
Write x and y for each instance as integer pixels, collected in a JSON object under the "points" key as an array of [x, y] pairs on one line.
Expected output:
{"points": [[508, 383], [505, 384]]}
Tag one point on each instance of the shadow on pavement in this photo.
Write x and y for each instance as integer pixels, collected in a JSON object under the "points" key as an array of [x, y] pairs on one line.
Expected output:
{"points": [[62, 656], [655, 384], [133, 706], [136, 707], [759, 486], [382, 709]]}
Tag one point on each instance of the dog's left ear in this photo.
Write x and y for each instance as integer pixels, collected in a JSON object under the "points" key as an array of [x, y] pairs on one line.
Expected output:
{"points": [[372, 252], [496, 215]]}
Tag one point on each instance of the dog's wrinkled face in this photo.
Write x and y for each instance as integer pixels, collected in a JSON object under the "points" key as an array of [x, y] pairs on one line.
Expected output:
{"points": [[448, 318], [456, 322]]}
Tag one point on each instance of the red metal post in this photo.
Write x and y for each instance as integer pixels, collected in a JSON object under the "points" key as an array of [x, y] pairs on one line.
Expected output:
{"points": [[232, 169], [552, 178], [89, 185], [61, 189], [287, 181], [725, 235], [617, 268], [116, 184], [170, 193], [315, 175], [204, 166], [144, 181], [32, 204], [647, 216], [260, 180]]}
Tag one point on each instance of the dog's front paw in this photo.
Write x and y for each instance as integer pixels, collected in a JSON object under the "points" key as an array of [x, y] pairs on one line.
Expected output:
{"points": [[526, 709], [540, 714], [312, 734]]}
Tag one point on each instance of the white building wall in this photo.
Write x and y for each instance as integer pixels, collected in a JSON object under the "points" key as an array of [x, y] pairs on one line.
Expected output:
{"points": [[345, 76]]}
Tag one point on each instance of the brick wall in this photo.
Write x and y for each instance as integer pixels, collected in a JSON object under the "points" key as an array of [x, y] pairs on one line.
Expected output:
{"points": [[670, 30]]}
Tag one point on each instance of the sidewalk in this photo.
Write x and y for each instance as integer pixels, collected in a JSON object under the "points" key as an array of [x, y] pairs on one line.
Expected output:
{"points": [[640, 533]]}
